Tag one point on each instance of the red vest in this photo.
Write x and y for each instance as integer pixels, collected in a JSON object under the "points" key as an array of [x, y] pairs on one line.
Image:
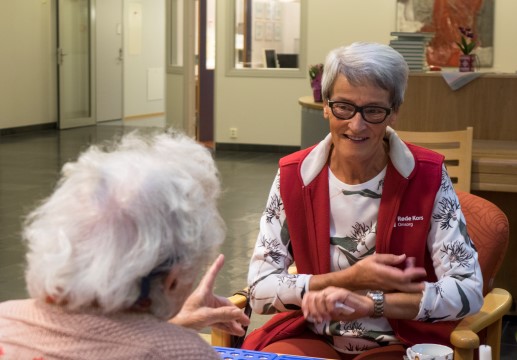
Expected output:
{"points": [[404, 201]]}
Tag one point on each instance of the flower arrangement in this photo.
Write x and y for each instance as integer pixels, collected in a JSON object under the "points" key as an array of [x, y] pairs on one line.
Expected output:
{"points": [[468, 40], [315, 71]]}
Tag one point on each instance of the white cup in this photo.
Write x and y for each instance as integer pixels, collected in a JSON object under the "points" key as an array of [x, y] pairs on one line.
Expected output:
{"points": [[429, 351]]}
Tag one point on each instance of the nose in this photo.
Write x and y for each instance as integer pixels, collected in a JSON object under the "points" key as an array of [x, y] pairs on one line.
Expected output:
{"points": [[357, 122]]}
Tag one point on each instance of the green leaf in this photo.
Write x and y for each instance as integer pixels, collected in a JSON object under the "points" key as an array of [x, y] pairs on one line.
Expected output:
{"points": [[284, 234], [471, 47], [346, 243], [464, 301], [461, 48], [462, 277], [366, 193]]}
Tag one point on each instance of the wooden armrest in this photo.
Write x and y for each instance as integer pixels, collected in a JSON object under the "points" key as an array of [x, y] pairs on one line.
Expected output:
{"points": [[221, 338], [464, 337], [238, 300]]}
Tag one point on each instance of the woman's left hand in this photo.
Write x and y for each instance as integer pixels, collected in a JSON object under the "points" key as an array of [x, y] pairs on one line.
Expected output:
{"points": [[203, 308], [333, 303]]}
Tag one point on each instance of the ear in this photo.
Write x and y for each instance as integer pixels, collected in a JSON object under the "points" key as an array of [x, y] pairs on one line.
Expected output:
{"points": [[326, 110], [393, 118], [171, 281]]}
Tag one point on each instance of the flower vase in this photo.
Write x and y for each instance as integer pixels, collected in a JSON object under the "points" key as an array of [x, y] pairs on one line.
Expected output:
{"points": [[316, 93], [467, 62], [316, 88]]}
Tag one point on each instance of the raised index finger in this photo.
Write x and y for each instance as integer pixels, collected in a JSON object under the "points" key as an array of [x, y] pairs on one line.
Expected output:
{"points": [[208, 279]]}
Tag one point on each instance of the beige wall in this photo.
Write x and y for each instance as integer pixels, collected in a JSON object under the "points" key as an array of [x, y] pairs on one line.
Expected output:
{"points": [[265, 111], [28, 80]]}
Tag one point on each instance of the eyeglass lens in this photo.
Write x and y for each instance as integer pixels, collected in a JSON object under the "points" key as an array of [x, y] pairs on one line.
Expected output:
{"points": [[345, 111]]}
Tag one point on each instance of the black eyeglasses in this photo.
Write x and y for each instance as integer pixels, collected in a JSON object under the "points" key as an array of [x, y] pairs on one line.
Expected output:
{"points": [[373, 114]]}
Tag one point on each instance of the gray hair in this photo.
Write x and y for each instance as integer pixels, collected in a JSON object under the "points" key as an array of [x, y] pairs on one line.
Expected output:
{"points": [[117, 214], [367, 64]]}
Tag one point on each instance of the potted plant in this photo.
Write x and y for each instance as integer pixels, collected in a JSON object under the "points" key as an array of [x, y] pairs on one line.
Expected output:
{"points": [[467, 44], [315, 73]]}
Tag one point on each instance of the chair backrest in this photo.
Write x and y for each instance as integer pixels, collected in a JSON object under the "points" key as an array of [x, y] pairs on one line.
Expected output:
{"points": [[487, 226], [456, 146]]}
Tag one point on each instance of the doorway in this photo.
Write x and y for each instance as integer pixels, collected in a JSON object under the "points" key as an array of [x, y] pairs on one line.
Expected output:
{"points": [[76, 103], [206, 68], [109, 60], [130, 76], [190, 67]]}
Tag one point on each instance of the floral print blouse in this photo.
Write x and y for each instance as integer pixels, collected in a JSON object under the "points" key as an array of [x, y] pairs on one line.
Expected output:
{"points": [[352, 238]]}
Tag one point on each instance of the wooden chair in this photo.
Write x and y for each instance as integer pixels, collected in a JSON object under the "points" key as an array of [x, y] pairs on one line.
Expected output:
{"points": [[456, 146], [487, 225]]}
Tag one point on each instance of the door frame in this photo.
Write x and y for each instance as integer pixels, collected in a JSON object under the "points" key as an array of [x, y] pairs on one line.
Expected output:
{"points": [[205, 123], [82, 121], [180, 88], [189, 55], [103, 51]]}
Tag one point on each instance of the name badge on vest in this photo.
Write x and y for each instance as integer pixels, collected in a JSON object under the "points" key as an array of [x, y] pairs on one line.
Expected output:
{"points": [[408, 221]]}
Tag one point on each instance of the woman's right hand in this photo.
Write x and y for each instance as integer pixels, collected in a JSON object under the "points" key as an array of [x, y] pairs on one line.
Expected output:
{"points": [[334, 303], [377, 271], [380, 272]]}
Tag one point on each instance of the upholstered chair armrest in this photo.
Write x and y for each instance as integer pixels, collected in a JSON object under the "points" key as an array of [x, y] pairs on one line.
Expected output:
{"points": [[464, 337]]}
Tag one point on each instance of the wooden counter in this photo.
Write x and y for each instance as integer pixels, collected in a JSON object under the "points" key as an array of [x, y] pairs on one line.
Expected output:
{"points": [[488, 104], [494, 165]]}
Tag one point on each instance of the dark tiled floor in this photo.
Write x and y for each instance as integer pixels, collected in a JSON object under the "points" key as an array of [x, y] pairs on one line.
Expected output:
{"points": [[30, 165]]}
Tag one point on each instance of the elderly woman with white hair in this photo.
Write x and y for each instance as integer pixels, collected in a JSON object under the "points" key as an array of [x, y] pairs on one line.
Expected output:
{"points": [[113, 254]]}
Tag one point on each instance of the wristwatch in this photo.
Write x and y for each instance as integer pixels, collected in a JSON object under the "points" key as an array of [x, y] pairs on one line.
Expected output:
{"points": [[378, 302]]}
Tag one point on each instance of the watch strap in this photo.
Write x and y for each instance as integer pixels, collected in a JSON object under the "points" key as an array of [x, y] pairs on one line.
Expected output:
{"points": [[378, 302]]}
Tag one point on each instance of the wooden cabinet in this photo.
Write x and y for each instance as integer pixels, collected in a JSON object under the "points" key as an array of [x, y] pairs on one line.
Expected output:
{"points": [[488, 104]]}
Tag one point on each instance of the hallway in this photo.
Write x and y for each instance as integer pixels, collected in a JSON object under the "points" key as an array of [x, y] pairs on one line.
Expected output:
{"points": [[30, 165]]}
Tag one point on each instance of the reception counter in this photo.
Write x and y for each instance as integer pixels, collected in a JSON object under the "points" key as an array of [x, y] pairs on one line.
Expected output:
{"points": [[489, 105]]}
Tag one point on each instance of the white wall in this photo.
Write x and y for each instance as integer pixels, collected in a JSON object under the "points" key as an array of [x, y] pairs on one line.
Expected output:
{"points": [[266, 111], [144, 57]]}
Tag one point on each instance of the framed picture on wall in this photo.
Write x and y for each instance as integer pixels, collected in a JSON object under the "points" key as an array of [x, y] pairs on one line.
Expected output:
{"points": [[259, 30], [268, 11], [258, 10], [278, 12], [444, 18]]}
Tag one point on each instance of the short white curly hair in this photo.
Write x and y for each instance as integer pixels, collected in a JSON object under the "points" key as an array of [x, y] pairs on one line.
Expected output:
{"points": [[117, 213]]}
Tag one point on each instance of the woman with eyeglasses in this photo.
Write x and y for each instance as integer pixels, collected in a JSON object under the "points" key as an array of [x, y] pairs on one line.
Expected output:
{"points": [[372, 223], [113, 254]]}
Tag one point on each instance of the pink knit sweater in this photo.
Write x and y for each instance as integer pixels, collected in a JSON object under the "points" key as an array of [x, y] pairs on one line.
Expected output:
{"points": [[30, 329]]}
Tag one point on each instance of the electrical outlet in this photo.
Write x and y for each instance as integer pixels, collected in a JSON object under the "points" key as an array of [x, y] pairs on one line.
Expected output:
{"points": [[233, 133]]}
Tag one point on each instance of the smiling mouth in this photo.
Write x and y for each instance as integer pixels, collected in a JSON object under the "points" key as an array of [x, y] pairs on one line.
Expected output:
{"points": [[355, 138]]}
